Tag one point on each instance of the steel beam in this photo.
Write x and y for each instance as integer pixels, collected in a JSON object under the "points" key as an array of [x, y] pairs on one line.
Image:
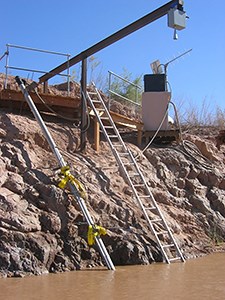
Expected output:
{"points": [[147, 19]]}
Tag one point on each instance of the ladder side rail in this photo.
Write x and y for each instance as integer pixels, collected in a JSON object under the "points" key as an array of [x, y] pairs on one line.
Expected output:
{"points": [[127, 176], [143, 209], [99, 119], [110, 118], [103, 129], [157, 207], [144, 181], [62, 163]]}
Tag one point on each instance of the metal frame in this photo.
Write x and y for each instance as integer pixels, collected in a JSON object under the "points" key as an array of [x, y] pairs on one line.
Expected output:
{"points": [[33, 70], [111, 92], [147, 19]]}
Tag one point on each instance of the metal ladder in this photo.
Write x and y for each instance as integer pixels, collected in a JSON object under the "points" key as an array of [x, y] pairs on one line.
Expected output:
{"points": [[73, 188], [133, 176]]}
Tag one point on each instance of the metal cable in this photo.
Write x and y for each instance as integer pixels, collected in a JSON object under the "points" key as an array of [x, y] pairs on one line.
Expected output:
{"points": [[88, 117], [188, 147], [154, 136], [52, 110], [191, 147]]}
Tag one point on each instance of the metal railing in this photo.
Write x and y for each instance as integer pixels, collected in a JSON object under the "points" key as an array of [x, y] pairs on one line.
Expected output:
{"points": [[7, 66], [123, 98]]}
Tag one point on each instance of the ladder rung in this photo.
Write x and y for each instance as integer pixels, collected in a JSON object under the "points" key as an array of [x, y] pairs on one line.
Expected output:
{"points": [[162, 232], [125, 159], [156, 220], [128, 164], [150, 208], [133, 174], [174, 258], [120, 147], [168, 245], [123, 154]]}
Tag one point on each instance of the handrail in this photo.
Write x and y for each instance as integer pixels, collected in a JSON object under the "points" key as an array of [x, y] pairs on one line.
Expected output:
{"points": [[35, 71], [124, 79], [124, 98], [7, 66], [136, 86], [38, 50]]}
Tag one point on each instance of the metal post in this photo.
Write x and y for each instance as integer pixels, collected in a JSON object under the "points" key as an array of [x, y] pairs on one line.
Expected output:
{"points": [[62, 163], [109, 103], [45, 87], [136, 94], [6, 66], [32, 70], [83, 136], [68, 75]]}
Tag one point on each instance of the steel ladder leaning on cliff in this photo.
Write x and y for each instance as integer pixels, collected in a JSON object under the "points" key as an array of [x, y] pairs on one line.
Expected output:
{"points": [[68, 179], [132, 174]]}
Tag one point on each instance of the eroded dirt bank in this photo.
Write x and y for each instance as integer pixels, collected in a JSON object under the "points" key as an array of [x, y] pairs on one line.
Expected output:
{"points": [[42, 230]]}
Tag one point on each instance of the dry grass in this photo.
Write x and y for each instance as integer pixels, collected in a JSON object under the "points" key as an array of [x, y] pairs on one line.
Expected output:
{"points": [[204, 115]]}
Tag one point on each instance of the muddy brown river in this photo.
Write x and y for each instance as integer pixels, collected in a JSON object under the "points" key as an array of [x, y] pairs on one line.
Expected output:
{"points": [[202, 278]]}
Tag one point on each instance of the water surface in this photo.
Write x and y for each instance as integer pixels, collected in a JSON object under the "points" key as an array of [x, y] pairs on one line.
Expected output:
{"points": [[202, 278]]}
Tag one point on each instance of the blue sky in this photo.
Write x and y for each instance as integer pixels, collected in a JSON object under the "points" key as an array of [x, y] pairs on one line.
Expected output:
{"points": [[72, 26]]}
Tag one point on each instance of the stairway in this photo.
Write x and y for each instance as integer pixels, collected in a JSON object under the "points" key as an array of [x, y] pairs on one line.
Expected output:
{"points": [[132, 174]]}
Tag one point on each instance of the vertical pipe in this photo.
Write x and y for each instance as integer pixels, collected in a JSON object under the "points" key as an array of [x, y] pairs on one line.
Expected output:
{"points": [[136, 93], [83, 136], [68, 75], [6, 66], [109, 90], [45, 87]]}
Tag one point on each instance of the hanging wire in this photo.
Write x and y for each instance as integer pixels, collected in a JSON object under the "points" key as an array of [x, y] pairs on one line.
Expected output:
{"points": [[189, 148], [155, 134], [52, 110], [88, 117]]}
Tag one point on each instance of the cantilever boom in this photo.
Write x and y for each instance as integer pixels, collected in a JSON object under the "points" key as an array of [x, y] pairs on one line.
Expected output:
{"points": [[147, 19]]}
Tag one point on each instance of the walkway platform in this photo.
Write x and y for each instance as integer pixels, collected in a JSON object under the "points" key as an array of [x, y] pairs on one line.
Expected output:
{"points": [[70, 107]]}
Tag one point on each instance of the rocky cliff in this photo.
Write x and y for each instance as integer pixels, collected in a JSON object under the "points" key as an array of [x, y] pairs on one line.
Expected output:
{"points": [[42, 229]]}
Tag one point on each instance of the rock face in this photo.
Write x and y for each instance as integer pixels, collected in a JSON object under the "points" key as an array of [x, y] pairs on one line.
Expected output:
{"points": [[42, 229]]}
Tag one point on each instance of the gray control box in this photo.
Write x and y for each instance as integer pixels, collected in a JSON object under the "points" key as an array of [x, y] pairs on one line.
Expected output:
{"points": [[176, 19]]}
